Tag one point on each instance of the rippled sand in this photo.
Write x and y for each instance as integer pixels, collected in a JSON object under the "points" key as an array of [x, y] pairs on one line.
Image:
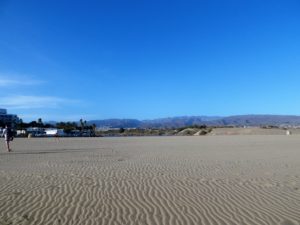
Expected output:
{"points": [[151, 180]]}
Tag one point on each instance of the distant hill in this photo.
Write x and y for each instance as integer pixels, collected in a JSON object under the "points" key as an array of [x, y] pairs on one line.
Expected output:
{"points": [[117, 123], [257, 120], [178, 121], [156, 123], [175, 122]]}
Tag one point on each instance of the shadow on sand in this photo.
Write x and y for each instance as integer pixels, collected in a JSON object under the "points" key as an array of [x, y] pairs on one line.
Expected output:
{"points": [[55, 151]]}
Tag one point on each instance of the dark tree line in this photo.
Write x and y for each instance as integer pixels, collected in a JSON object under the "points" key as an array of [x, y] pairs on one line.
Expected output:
{"points": [[66, 126], [39, 123]]}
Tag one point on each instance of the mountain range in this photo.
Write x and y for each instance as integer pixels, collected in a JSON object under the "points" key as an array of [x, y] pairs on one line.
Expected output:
{"points": [[175, 122]]}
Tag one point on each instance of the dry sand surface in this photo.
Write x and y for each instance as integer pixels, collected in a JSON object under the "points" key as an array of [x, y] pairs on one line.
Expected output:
{"points": [[151, 180], [252, 131]]}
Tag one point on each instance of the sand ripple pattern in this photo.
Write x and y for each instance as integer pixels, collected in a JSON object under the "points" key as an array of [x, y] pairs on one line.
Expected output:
{"points": [[163, 180]]}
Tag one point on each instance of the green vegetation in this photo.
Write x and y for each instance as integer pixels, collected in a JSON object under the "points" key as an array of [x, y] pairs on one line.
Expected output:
{"points": [[22, 126], [183, 131], [82, 127], [68, 127]]}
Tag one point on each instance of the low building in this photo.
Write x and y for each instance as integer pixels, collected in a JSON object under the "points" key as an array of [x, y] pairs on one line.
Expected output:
{"points": [[21, 132], [35, 131], [75, 133], [52, 132]]}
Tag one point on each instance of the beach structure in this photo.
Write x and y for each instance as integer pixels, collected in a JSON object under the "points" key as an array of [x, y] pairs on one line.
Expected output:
{"points": [[52, 132], [35, 131], [75, 133], [8, 119], [87, 133], [21, 132]]}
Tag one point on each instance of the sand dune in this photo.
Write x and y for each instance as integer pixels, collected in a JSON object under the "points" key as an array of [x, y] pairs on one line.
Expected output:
{"points": [[253, 131], [152, 180]]}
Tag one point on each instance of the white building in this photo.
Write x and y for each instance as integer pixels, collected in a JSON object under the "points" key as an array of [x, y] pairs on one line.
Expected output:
{"points": [[36, 131], [54, 132]]}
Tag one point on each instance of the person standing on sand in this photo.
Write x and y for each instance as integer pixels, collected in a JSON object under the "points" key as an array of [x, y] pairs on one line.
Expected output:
{"points": [[8, 136]]}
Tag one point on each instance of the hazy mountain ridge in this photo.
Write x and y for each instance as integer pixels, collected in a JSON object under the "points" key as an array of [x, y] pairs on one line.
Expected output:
{"points": [[117, 123], [178, 121], [257, 120], [174, 122]]}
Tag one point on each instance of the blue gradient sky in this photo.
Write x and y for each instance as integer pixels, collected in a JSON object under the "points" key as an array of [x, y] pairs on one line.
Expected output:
{"points": [[66, 60]]}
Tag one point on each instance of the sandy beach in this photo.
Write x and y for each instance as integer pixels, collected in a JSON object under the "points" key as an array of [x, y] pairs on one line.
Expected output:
{"points": [[252, 179]]}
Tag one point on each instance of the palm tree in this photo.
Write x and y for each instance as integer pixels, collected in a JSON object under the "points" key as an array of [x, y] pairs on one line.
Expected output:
{"points": [[40, 122], [81, 124]]}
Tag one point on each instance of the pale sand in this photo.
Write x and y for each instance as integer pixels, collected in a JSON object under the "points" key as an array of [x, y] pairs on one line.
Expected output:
{"points": [[152, 180], [252, 131]]}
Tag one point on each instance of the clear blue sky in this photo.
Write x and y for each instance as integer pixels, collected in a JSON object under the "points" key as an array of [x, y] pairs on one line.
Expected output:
{"points": [[66, 60]]}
